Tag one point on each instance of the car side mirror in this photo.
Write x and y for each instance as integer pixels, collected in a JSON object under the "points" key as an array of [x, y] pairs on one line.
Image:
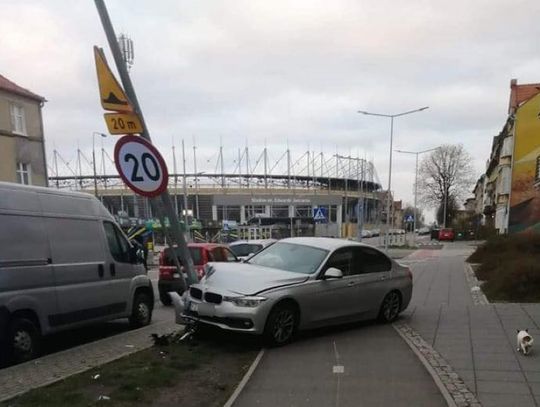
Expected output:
{"points": [[332, 272], [136, 255]]}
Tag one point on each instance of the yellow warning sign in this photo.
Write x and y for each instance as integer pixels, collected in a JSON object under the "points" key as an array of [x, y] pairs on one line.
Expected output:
{"points": [[123, 123], [111, 94]]}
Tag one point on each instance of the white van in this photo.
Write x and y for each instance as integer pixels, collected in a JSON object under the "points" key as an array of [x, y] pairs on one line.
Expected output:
{"points": [[64, 263]]}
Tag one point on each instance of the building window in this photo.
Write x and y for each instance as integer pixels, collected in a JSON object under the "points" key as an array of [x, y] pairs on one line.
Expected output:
{"points": [[18, 122], [24, 174]]}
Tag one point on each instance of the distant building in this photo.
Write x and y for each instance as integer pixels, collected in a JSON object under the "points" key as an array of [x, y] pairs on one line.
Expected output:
{"points": [[493, 189], [22, 145]]}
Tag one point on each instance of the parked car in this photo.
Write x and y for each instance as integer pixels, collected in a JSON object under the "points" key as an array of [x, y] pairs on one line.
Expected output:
{"points": [[375, 232], [201, 253], [366, 233], [298, 283], [64, 263], [246, 248], [446, 234], [434, 234], [423, 231]]}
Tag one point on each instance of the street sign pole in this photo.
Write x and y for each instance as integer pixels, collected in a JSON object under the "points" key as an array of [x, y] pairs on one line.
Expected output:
{"points": [[177, 235]]}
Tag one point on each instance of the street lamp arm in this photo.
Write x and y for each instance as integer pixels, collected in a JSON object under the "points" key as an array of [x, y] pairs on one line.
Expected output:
{"points": [[374, 114], [410, 111]]}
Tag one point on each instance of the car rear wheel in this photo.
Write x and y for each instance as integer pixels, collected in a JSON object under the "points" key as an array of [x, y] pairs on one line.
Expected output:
{"points": [[165, 298], [390, 307], [281, 325], [141, 313], [23, 340]]}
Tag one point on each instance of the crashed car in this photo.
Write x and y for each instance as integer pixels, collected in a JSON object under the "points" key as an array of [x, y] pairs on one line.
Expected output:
{"points": [[298, 283]]}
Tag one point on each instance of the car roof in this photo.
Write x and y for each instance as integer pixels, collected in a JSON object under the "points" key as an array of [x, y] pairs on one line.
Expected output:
{"points": [[254, 241], [327, 243], [206, 245]]}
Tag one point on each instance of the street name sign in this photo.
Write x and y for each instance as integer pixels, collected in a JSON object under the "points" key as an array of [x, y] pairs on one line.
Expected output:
{"points": [[141, 166], [123, 123]]}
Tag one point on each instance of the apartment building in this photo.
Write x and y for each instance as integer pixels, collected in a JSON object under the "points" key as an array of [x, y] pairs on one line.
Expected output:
{"points": [[22, 144]]}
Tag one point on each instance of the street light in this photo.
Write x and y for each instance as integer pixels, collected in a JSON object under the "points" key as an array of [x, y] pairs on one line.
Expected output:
{"points": [[94, 158], [391, 117], [416, 153]]}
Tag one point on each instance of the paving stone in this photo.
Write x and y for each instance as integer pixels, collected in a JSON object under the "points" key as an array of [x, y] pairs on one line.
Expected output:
{"points": [[502, 387]]}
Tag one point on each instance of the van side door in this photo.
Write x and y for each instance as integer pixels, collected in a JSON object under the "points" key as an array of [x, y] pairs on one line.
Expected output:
{"points": [[119, 267], [78, 257]]}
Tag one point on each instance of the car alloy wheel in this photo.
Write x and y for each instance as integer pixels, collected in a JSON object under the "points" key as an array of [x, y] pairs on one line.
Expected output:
{"points": [[390, 307], [283, 326]]}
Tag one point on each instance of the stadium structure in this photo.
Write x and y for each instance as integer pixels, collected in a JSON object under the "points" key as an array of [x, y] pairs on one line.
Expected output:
{"points": [[242, 192]]}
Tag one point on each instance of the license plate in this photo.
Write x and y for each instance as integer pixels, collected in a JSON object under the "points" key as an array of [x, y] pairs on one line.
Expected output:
{"points": [[194, 307], [208, 310]]}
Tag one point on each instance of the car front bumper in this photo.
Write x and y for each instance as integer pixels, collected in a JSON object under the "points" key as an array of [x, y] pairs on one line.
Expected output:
{"points": [[226, 315]]}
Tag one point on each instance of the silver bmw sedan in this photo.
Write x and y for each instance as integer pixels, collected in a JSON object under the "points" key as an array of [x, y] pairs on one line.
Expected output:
{"points": [[298, 283]]}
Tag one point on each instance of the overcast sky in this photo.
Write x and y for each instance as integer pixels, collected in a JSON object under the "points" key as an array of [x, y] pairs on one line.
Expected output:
{"points": [[283, 71]]}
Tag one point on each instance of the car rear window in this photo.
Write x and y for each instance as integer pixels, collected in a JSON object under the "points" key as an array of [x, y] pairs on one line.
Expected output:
{"points": [[195, 255]]}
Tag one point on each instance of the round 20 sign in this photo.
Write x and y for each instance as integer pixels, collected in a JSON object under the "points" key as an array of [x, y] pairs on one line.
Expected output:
{"points": [[141, 166]]}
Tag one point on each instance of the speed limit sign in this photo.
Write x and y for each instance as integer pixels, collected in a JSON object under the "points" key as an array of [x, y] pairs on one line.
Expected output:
{"points": [[141, 166]]}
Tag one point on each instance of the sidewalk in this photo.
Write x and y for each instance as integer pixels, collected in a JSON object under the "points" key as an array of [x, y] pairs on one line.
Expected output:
{"points": [[478, 341], [19, 379]]}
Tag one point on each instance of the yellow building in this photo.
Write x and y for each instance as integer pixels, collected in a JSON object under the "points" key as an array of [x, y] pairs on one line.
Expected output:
{"points": [[22, 145]]}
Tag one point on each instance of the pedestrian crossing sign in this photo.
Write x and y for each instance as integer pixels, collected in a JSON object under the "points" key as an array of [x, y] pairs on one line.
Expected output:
{"points": [[320, 214]]}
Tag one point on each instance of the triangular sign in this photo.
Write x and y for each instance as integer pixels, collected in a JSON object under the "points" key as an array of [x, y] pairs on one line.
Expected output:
{"points": [[111, 94], [319, 215]]}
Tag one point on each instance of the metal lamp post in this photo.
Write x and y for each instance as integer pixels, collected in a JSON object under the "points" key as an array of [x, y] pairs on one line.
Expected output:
{"points": [[389, 199], [94, 158], [416, 153]]}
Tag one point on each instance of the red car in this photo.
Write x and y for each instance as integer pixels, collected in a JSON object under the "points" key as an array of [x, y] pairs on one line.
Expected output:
{"points": [[446, 234], [201, 253]]}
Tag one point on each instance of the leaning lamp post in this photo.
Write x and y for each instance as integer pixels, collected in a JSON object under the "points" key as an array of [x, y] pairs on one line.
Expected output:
{"points": [[388, 194]]}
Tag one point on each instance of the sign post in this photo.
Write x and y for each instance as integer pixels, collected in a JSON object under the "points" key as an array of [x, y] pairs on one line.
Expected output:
{"points": [[131, 99]]}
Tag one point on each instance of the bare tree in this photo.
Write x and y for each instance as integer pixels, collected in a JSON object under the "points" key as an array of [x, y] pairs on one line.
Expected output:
{"points": [[445, 174]]}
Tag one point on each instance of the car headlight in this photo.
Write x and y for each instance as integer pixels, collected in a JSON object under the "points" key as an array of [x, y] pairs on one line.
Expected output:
{"points": [[245, 301]]}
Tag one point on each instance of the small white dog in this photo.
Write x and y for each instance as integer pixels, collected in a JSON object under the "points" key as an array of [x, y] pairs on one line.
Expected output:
{"points": [[524, 341]]}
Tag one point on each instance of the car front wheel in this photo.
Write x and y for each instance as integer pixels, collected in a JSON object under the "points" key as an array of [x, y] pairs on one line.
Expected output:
{"points": [[390, 307], [281, 325]]}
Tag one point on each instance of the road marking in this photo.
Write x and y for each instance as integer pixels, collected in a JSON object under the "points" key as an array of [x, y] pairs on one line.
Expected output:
{"points": [[244, 380], [338, 369]]}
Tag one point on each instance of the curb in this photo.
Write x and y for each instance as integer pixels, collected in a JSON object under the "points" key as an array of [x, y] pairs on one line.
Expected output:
{"points": [[475, 285], [451, 386], [245, 379]]}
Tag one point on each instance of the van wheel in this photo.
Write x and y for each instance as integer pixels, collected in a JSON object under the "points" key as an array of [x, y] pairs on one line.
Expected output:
{"points": [[141, 313], [23, 340]]}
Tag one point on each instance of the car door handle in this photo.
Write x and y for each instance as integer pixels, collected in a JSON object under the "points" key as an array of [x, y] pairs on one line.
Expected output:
{"points": [[383, 278], [112, 269], [100, 270], [351, 283]]}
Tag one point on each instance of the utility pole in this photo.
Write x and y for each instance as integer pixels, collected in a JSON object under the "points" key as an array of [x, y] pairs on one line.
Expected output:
{"points": [[196, 179], [175, 177], [186, 215], [183, 251]]}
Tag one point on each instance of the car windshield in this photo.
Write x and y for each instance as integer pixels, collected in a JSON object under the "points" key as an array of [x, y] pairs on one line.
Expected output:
{"points": [[291, 257]]}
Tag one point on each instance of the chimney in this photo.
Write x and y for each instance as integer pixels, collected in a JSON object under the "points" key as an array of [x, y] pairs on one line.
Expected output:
{"points": [[513, 96]]}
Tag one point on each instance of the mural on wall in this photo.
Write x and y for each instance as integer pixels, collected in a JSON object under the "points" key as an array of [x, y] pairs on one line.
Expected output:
{"points": [[525, 197]]}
